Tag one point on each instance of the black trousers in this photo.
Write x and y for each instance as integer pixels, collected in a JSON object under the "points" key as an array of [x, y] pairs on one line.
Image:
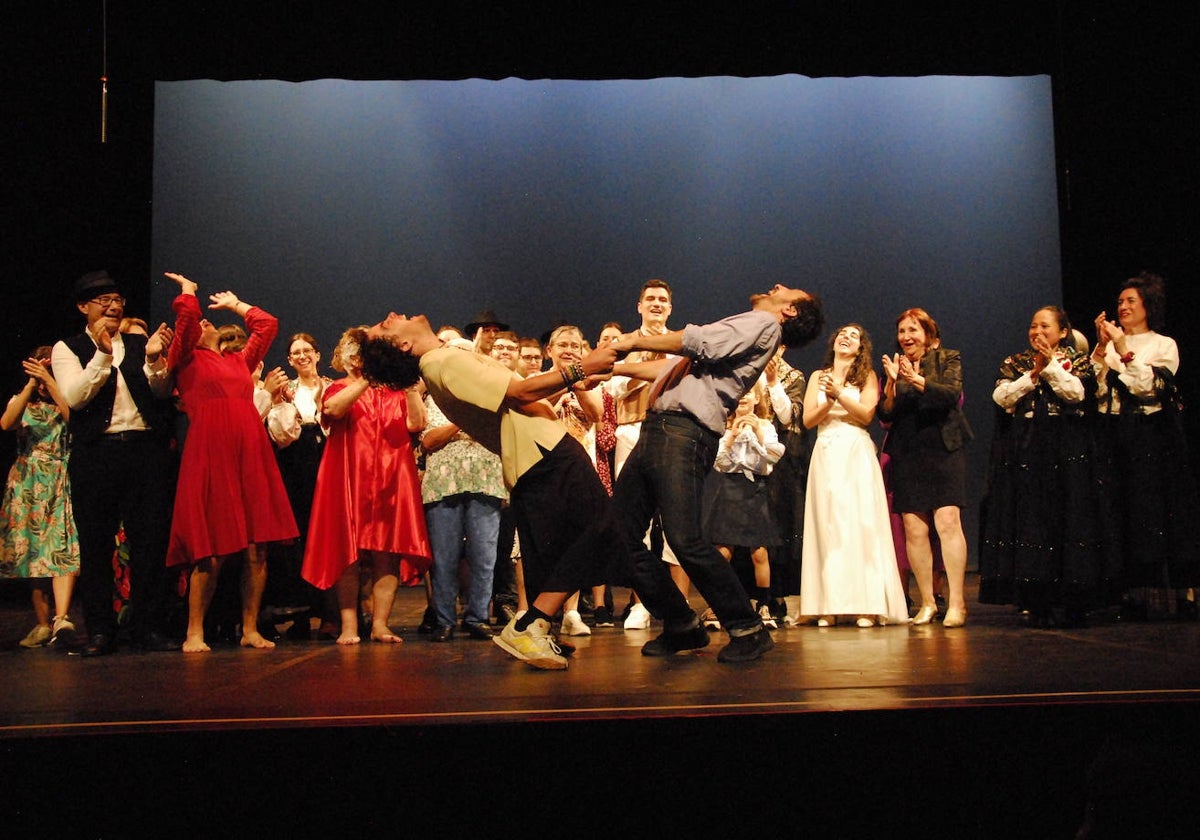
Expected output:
{"points": [[124, 480]]}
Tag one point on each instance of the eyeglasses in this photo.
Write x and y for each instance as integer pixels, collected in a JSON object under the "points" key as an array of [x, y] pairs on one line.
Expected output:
{"points": [[568, 345], [531, 357], [108, 300], [295, 354], [511, 348]]}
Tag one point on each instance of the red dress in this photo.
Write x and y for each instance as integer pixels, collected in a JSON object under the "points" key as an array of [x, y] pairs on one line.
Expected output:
{"points": [[229, 493], [368, 496]]}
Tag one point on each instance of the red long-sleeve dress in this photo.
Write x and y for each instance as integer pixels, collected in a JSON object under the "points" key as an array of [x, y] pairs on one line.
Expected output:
{"points": [[229, 492]]}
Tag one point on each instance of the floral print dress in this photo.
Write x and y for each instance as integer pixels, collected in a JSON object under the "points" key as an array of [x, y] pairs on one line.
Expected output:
{"points": [[36, 523]]}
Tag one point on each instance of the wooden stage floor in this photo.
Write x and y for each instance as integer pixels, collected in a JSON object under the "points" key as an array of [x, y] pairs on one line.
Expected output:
{"points": [[894, 700]]}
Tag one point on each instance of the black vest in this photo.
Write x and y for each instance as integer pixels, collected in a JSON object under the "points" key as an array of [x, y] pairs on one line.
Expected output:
{"points": [[88, 422]]}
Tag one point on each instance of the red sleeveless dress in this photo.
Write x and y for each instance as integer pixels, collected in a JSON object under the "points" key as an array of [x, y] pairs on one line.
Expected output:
{"points": [[368, 496]]}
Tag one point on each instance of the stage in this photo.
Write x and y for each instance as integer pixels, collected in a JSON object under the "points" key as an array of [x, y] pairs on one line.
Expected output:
{"points": [[948, 717]]}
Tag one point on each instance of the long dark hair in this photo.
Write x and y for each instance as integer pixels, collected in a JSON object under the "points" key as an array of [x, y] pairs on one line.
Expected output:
{"points": [[860, 367]]}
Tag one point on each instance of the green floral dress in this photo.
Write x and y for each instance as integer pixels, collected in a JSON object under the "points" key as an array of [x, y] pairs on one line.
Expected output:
{"points": [[37, 526]]}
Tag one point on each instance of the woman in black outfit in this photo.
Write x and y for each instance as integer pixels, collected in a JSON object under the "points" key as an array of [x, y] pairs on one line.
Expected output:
{"points": [[921, 401]]}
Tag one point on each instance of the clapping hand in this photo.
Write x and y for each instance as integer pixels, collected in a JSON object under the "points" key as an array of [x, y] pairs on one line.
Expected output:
{"points": [[275, 384], [159, 342], [37, 370]]}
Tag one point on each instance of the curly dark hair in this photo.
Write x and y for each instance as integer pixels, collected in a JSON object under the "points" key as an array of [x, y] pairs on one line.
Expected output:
{"points": [[1153, 290], [861, 367], [383, 363], [801, 328]]}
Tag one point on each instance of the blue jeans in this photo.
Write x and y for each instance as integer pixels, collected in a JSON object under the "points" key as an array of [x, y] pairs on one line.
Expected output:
{"points": [[476, 518], [666, 473]]}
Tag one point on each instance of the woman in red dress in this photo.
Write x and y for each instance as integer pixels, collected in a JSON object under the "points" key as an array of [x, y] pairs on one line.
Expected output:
{"points": [[368, 498], [230, 498]]}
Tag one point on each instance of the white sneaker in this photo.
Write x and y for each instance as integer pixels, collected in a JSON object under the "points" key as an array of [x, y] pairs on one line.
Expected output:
{"points": [[572, 624], [709, 619], [534, 645], [792, 620], [638, 618], [764, 613]]}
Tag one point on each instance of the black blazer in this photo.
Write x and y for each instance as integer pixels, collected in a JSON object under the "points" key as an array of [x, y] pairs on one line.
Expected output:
{"points": [[940, 402]]}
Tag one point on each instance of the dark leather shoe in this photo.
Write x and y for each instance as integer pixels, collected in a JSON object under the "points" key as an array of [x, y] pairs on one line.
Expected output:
{"points": [[478, 631], [748, 647], [156, 641], [670, 643], [428, 622], [99, 644], [442, 633]]}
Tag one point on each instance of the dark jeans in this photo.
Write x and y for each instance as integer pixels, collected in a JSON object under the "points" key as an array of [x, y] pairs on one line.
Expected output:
{"points": [[665, 473]]}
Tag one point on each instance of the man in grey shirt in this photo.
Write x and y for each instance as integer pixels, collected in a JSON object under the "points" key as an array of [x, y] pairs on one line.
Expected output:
{"points": [[691, 398]]}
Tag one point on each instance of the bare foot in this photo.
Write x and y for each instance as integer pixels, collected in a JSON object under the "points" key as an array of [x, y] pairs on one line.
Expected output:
{"points": [[348, 640], [255, 640], [195, 644], [384, 634]]}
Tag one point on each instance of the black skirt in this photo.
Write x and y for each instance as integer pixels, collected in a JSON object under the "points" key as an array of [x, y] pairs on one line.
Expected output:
{"points": [[737, 511]]}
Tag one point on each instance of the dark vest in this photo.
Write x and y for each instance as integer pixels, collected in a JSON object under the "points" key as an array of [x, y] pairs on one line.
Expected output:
{"points": [[88, 422]]}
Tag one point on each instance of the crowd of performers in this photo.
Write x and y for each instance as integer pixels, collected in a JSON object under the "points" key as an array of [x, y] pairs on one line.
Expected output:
{"points": [[521, 479]]}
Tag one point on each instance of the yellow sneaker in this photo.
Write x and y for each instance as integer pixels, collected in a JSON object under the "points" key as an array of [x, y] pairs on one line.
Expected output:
{"points": [[535, 646]]}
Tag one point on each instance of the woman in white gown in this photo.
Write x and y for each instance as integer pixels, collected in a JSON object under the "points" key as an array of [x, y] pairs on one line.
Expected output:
{"points": [[849, 562]]}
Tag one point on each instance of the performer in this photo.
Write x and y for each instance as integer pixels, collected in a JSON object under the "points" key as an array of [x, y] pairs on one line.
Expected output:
{"points": [[691, 398], [564, 520], [230, 498], [121, 468]]}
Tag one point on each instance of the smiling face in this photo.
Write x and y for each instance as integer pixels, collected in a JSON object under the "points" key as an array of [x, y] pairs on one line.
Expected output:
{"points": [[847, 341], [106, 308], [566, 346], [400, 329], [781, 299], [504, 350], [655, 308], [1045, 324], [1131, 311], [911, 337], [302, 356]]}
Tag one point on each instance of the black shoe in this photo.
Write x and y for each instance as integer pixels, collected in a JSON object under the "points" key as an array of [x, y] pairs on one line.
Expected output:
{"points": [[98, 644], [156, 641], [441, 633], [745, 648], [429, 621], [669, 643], [564, 647], [604, 617], [504, 613], [478, 631]]}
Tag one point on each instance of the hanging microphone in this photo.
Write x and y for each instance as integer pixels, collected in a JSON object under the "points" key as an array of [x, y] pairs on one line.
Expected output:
{"points": [[104, 109]]}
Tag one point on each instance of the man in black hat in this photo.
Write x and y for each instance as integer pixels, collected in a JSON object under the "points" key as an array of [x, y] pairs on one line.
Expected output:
{"points": [[483, 330], [120, 467]]}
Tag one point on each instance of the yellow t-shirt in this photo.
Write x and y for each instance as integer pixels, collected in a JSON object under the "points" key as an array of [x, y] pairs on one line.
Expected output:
{"points": [[469, 389]]}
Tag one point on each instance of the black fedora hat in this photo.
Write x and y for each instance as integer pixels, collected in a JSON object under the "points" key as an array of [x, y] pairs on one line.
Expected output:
{"points": [[482, 319], [92, 285]]}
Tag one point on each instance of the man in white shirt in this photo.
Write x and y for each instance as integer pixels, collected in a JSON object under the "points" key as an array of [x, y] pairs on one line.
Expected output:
{"points": [[121, 467]]}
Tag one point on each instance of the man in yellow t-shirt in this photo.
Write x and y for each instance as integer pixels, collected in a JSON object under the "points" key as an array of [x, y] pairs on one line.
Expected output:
{"points": [[564, 516]]}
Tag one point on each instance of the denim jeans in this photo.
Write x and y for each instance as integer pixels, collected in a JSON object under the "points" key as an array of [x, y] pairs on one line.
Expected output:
{"points": [[476, 518], [666, 473]]}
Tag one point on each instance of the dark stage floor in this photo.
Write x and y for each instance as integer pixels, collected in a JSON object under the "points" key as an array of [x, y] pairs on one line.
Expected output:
{"points": [[937, 722]]}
